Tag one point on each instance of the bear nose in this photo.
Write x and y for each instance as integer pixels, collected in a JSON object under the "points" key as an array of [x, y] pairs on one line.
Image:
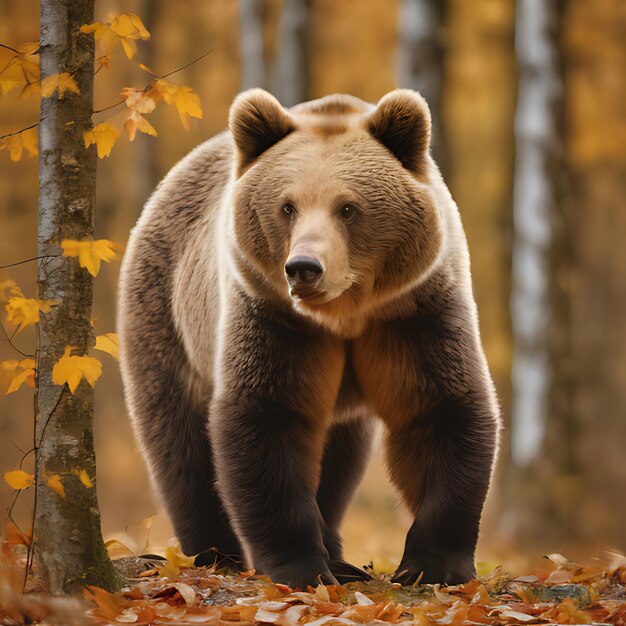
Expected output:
{"points": [[302, 270]]}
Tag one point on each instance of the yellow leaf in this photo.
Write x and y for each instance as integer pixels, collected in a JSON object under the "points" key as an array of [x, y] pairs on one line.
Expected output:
{"points": [[145, 68], [84, 478], [25, 311], [138, 101], [89, 253], [15, 145], [176, 561], [25, 376], [109, 343], [125, 29], [30, 139], [71, 369], [22, 69], [137, 122], [62, 83], [130, 47], [11, 76], [187, 103], [54, 482], [104, 136], [19, 479]]}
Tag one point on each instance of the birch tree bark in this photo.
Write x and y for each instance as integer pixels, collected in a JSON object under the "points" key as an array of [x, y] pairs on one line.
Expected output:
{"points": [[68, 548], [252, 58], [290, 81], [581, 467], [420, 60]]}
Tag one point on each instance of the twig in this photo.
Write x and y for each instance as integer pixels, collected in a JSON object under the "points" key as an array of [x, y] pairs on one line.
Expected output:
{"points": [[9, 339], [3, 45], [17, 132], [186, 66], [35, 258], [179, 69]]}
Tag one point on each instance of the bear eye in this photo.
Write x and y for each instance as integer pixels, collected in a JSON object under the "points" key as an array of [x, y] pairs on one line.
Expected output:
{"points": [[347, 212], [289, 209]]}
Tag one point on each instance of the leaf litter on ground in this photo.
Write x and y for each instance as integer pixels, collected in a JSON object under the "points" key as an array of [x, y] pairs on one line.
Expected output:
{"points": [[172, 591]]}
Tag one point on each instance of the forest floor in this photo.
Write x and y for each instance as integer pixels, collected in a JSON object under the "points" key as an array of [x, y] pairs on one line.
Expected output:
{"points": [[172, 592]]}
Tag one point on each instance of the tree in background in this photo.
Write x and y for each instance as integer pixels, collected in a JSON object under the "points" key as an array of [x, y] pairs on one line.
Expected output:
{"points": [[577, 478], [420, 60]]}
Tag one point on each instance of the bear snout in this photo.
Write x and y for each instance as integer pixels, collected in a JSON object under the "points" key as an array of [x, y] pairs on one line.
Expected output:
{"points": [[303, 270]]}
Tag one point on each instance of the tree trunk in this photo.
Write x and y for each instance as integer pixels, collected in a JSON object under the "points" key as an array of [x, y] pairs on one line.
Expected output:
{"points": [[478, 104], [251, 37], [69, 550], [290, 80], [537, 197], [581, 467], [420, 60]]}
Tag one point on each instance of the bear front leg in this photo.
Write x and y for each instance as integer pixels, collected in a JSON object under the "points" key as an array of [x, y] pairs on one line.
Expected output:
{"points": [[441, 462], [267, 455], [269, 417]]}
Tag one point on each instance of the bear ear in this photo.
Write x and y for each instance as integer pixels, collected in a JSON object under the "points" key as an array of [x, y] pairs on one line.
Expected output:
{"points": [[401, 122], [257, 121]]}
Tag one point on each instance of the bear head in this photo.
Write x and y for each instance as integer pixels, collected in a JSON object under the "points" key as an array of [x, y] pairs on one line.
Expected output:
{"points": [[332, 204]]}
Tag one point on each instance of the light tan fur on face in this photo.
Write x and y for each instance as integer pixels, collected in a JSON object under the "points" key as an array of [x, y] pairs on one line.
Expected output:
{"points": [[314, 168]]}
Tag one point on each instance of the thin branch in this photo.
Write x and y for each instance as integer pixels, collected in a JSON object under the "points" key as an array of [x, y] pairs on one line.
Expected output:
{"points": [[112, 106], [16, 446], [186, 66], [179, 69], [35, 258], [9, 339], [17, 132], [3, 45]]}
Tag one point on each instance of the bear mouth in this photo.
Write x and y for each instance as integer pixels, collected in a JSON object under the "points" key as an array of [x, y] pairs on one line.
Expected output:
{"points": [[308, 294]]}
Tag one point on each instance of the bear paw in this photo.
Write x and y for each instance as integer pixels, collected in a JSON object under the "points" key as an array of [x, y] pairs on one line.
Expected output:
{"points": [[443, 568], [300, 574]]}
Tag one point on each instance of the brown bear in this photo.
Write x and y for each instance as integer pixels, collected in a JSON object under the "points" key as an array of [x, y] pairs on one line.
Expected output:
{"points": [[293, 279]]}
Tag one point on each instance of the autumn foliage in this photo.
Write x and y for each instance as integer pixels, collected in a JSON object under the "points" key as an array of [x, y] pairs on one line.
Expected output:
{"points": [[20, 74]]}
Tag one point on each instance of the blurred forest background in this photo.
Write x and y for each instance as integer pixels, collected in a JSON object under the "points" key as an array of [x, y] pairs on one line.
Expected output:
{"points": [[529, 118]]}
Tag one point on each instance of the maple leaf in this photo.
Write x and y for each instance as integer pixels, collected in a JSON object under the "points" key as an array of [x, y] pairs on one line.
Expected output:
{"points": [[89, 253], [137, 122], [54, 482], [25, 375], [62, 83], [110, 344], [71, 369], [22, 69], [25, 311], [187, 102], [104, 136], [15, 144], [139, 104], [124, 29], [18, 479]]}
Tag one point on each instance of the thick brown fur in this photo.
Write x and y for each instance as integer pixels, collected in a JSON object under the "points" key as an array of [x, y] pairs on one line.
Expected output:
{"points": [[256, 408]]}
